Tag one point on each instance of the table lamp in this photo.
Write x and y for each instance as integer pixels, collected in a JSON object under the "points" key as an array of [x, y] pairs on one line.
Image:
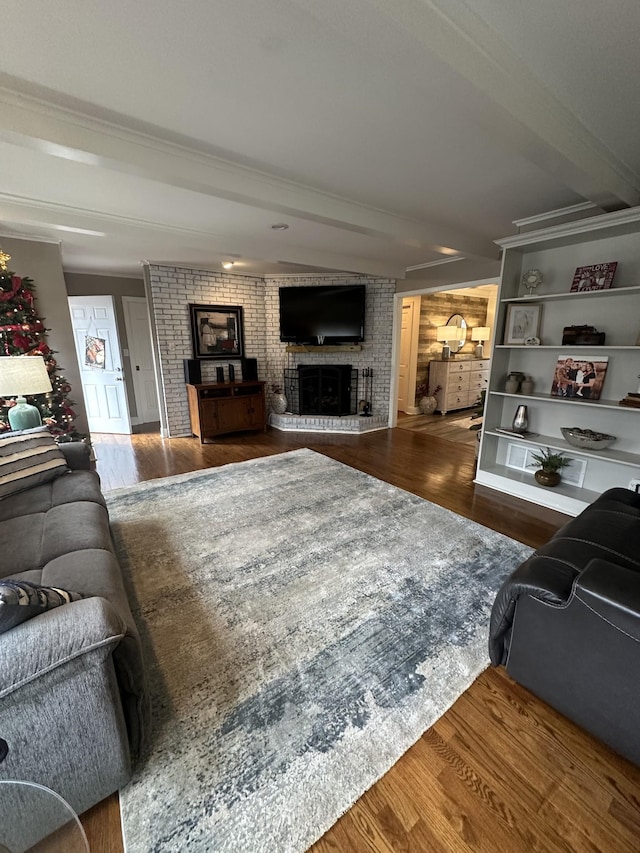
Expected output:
{"points": [[480, 333], [444, 334], [20, 375]]}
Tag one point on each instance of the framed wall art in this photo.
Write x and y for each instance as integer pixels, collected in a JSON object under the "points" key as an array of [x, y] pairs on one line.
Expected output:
{"points": [[523, 323], [217, 331]]}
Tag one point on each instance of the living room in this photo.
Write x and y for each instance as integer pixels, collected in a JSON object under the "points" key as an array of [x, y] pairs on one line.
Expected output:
{"points": [[280, 581]]}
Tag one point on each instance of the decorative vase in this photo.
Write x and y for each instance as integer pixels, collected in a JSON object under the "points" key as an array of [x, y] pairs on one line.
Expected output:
{"points": [[547, 478], [278, 403], [428, 405], [520, 420], [511, 386], [526, 386]]}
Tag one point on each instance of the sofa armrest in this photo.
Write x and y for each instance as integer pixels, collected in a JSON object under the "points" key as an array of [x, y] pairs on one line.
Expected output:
{"points": [[52, 639], [77, 454], [613, 593]]}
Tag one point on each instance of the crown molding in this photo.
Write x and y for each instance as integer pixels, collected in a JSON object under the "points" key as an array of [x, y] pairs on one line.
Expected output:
{"points": [[571, 210], [566, 230]]}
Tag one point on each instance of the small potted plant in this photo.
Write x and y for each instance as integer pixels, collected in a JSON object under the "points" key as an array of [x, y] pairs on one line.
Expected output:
{"points": [[428, 403], [550, 466]]}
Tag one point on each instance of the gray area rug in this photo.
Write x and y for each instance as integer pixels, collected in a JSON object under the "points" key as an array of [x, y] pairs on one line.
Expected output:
{"points": [[304, 624]]}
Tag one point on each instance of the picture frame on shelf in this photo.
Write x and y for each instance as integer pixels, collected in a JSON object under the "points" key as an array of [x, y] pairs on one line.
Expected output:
{"points": [[593, 277], [523, 323], [217, 331], [579, 377]]}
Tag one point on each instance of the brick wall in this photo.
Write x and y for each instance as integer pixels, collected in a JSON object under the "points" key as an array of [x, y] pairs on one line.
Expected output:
{"points": [[173, 288]]}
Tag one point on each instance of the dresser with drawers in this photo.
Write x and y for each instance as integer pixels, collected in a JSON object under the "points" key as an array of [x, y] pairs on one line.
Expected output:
{"points": [[460, 380]]}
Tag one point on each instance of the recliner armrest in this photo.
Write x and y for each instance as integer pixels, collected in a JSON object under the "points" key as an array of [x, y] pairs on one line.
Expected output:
{"points": [[613, 593]]}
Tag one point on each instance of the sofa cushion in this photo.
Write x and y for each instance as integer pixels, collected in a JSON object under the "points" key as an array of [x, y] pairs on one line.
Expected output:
{"points": [[21, 600], [29, 459], [30, 541], [73, 486]]}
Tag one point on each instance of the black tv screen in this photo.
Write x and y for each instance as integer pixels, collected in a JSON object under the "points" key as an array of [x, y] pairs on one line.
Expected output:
{"points": [[326, 314]]}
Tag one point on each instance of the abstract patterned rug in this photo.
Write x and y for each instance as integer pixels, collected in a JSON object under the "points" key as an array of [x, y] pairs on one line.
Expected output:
{"points": [[304, 624]]}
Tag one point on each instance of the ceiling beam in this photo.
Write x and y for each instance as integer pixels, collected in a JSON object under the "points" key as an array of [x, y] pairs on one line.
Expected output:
{"points": [[60, 132], [523, 112], [147, 235]]}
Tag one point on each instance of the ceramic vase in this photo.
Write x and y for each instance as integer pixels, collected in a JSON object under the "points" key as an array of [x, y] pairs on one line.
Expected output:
{"points": [[520, 420], [278, 403], [428, 405], [547, 478]]}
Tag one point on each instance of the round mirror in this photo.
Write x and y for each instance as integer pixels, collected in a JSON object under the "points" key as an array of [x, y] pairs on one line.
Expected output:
{"points": [[460, 338]]}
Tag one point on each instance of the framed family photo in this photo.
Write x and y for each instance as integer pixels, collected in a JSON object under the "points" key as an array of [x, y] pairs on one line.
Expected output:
{"points": [[579, 377], [217, 331], [523, 321]]}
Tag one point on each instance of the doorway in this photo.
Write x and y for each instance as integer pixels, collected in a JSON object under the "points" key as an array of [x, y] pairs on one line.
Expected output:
{"points": [[145, 387], [98, 351], [475, 300]]}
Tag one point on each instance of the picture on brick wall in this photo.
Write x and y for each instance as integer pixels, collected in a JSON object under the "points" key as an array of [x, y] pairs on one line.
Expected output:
{"points": [[217, 331]]}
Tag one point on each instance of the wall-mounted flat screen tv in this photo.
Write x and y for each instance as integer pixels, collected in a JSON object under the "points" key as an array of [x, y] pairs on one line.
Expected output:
{"points": [[325, 314]]}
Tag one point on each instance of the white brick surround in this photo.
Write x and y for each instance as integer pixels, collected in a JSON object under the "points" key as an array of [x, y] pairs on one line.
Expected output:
{"points": [[173, 288]]}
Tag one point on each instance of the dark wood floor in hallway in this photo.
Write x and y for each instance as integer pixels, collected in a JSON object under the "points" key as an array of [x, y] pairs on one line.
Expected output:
{"points": [[500, 770]]}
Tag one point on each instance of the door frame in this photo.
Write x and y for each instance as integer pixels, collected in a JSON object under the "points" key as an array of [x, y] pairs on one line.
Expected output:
{"points": [[397, 331]]}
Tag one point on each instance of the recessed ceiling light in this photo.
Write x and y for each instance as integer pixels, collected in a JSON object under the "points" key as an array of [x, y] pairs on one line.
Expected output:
{"points": [[227, 264], [280, 226]]}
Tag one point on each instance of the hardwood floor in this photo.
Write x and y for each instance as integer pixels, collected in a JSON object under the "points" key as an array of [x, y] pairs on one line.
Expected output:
{"points": [[453, 426], [500, 770]]}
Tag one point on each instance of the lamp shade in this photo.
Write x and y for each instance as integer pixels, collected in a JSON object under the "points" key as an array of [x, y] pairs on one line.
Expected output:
{"points": [[443, 333], [21, 375], [480, 333]]}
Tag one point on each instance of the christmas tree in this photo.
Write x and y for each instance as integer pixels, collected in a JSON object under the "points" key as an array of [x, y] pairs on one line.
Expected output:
{"points": [[22, 332]]}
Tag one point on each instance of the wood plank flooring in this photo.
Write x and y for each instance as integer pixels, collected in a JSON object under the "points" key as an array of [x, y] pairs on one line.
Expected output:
{"points": [[500, 771], [453, 426]]}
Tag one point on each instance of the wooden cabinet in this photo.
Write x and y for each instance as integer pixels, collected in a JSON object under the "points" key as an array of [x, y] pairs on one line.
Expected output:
{"points": [[556, 252], [460, 381], [226, 407]]}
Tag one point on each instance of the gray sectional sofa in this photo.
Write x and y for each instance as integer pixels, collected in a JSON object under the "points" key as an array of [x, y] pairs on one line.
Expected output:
{"points": [[73, 708]]}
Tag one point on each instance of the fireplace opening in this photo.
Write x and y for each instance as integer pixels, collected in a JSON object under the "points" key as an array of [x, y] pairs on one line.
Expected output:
{"points": [[328, 389]]}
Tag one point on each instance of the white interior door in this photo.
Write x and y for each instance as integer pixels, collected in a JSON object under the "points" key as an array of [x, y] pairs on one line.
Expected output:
{"points": [[98, 350], [145, 389], [408, 347]]}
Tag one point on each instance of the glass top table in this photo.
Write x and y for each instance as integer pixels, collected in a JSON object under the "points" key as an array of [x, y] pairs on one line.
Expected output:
{"points": [[36, 819]]}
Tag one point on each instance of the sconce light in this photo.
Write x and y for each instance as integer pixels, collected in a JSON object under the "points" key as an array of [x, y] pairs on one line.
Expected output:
{"points": [[227, 265], [480, 333], [21, 375]]}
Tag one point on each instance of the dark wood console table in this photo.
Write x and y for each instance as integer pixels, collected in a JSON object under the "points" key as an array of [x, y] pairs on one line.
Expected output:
{"points": [[225, 407]]}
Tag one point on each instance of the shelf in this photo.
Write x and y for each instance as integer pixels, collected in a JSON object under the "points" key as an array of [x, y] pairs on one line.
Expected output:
{"points": [[323, 348], [621, 457], [590, 294], [563, 497], [569, 347], [571, 401]]}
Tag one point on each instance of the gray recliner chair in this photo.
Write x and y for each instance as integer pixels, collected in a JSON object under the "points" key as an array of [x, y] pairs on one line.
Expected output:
{"points": [[566, 623]]}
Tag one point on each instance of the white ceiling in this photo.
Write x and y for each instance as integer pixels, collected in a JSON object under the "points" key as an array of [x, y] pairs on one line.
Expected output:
{"points": [[386, 133]]}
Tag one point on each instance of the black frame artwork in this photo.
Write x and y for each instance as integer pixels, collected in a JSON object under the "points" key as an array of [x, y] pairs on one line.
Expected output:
{"points": [[217, 331]]}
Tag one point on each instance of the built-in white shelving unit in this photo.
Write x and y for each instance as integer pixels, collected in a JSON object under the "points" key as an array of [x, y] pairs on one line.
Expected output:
{"points": [[556, 252]]}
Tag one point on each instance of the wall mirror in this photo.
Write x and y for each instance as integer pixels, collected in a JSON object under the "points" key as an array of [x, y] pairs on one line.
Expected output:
{"points": [[459, 339]]}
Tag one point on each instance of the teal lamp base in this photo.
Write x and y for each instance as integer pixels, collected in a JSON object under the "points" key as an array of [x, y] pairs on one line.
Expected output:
{"points": [[24, 416]]}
